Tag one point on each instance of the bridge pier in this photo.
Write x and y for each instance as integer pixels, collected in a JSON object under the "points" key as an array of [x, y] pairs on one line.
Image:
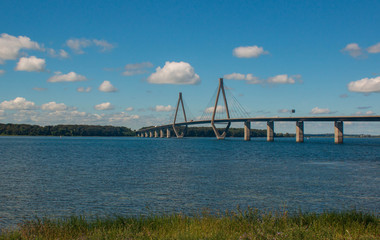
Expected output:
{"points": [[168, 133], [270, 131], [150, 134], [338, 132], [155, 133], [247, 131], [299, 132], [146, 134], [161, 133]]}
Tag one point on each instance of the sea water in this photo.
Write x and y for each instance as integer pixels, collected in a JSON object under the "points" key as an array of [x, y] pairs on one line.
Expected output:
{"points": [[97, 176]]}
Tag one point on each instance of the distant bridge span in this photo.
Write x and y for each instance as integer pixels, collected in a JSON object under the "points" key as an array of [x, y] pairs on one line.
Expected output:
{"points": [[158, 131]]}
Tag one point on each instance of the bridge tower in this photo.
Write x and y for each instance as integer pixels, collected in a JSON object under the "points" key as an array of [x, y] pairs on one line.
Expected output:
{"points": [[180, 101], [217, 134]]}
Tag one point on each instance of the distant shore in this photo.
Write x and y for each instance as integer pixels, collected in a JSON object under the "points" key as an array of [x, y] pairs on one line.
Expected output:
{"points": [[248, 224], [65, 130], [10, 129]]}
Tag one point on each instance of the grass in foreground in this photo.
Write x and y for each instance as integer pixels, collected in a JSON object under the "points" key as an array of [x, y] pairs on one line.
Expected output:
{"points": [[249, 224]]}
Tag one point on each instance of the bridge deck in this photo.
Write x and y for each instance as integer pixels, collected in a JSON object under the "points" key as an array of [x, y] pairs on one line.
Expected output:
{"points": [[274, 119]]}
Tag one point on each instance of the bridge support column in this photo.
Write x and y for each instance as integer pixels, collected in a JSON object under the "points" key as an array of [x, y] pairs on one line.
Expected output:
{"points": [[161, 133], [146, 134], [155, 133], [247, 131], [338, 132], [270, 131], [150, 134], [168, 133], [299, 131]]}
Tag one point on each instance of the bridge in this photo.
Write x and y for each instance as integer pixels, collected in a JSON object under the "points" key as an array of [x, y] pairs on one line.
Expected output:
{"points": [[159, 131]]}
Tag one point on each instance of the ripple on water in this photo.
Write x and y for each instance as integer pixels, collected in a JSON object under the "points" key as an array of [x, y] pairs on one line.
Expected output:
{"points": [[47, 176]]}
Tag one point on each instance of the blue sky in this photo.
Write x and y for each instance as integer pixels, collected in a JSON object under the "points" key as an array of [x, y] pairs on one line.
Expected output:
{"points": [[123, 62]]}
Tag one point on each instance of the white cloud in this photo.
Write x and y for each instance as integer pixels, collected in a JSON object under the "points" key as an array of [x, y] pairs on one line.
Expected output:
{"points": [[106, 46], [77, 45], [72, 116], [374, 49], [281, 79], [106, 86], [31, 64], [2, 72], [18, 103], [104, 106], [53, 106], [10, 46], [51, 52], [129, 109], [353, 49], [235, 76], [83, 89], [136, 68], [174, 73], [365, 85], [62, 53], [162, 108], [365, 113], [69, 77], [219, 109], [318, 110], [249, 78], [122, 117], [249, 52]]}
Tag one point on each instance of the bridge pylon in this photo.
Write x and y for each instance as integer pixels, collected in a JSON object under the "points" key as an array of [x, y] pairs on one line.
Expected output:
{"points": [[217, 134], [180, 101]]}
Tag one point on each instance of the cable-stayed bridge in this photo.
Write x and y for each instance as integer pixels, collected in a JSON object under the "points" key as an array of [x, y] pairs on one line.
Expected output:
{"points": [[228, 110]]}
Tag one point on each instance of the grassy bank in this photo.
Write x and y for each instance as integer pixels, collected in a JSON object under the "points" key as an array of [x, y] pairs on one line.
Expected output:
{"points": [[249, 224]]}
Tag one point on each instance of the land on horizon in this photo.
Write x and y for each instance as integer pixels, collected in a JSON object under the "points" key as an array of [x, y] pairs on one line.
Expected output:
{"points": [[11, 129]]}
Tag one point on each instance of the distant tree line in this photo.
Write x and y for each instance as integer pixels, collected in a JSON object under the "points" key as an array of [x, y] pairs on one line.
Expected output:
{"points": [[65, 130], [112, 131]]}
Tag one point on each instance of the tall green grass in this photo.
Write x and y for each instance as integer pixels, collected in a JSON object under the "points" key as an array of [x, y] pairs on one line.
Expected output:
{"points": [[248, 224]]}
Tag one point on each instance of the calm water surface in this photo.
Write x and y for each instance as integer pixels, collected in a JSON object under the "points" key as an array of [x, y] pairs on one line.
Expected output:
{"points": [[55, 177]]}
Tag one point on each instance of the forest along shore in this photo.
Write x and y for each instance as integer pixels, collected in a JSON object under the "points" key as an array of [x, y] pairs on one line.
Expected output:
{"points": [[111, 131], [115, 131]]}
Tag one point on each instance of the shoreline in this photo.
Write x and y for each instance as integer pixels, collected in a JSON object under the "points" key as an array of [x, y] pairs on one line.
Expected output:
{"points": [[247, 224]]}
